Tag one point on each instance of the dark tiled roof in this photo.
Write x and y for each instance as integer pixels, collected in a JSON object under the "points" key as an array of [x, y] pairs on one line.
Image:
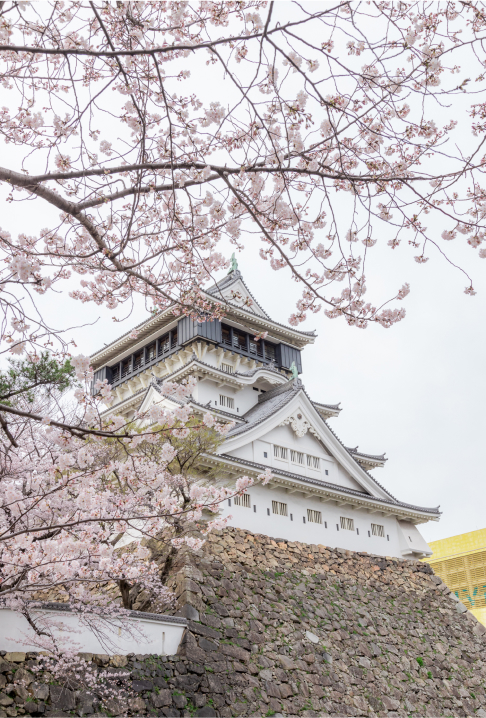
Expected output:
{"points": [[361, 467], [268, 403], [232, 278], [327, 485], [133, 329]]}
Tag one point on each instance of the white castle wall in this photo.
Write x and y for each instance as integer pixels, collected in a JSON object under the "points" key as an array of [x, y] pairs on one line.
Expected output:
{"points": [[147, 633], [244, 399], [257, 520]]}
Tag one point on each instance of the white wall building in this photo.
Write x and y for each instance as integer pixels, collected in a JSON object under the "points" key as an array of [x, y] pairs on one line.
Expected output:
{"points": [[321, 491]]}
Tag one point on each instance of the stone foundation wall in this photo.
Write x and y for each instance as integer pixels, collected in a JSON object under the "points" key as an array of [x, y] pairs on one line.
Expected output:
{"points": [[294, 629]]}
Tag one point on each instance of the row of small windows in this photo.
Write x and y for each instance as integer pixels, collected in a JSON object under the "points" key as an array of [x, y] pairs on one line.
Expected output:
{"points": [[245, 342], [313, 516], [296, 457], [158, 348]]}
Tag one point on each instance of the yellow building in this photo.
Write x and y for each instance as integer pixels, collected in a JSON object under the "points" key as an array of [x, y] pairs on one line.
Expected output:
{"points": [[460, 561]]}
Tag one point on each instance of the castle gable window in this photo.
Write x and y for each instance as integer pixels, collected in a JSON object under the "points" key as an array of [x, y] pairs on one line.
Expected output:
{"points": [[296, 457], [280, 452], [313, 462]]}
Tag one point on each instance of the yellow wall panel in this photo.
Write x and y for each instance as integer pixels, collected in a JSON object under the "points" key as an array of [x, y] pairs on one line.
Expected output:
{"points": [[460, 561]]}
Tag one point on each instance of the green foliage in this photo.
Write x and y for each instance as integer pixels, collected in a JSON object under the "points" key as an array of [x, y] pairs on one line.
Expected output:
{"points": [[191, 707], [420, 660], [190, 449], [24, 378]]}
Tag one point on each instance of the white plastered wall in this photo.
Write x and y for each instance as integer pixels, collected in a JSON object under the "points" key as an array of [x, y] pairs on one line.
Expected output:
{"points": [[308, 445], [257, 520]]}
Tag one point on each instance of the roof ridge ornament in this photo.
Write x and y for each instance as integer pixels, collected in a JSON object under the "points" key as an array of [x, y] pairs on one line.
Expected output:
{"points": [[294, 370], [234, 264]]}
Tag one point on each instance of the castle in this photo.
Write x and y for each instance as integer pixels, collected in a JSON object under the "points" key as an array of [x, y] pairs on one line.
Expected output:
{"points": [[321, 491]]}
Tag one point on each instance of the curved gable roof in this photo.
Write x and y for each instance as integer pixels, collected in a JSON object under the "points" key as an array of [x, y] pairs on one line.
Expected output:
{"points": [[271, 405]]}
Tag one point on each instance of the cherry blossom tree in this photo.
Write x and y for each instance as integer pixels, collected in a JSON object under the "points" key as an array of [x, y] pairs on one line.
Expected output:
{"points": [[340, 127], [114, 116], [67, 498]]}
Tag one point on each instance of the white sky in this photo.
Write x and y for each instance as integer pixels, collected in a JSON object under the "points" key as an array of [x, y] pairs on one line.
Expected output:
{"points": [[415, 391]]}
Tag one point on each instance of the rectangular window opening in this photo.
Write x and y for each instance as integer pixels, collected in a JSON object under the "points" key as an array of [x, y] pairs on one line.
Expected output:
{"points": [[226, 336], [378, 530], [164, 344], [280, 452], [243, 500], [226, 401], [279, 508], [314, 517], [347, 524], [151, 351], [296, 457], [312, 462], [227, 368], [269, 352], [137, 360]]}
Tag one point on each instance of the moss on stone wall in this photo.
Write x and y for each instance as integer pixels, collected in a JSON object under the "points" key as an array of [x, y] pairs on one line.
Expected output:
{"points": [[277, 627]]}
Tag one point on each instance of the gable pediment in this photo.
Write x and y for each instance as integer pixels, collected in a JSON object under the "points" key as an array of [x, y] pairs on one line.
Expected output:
{"points": [[293, 409], [238, 294], [299, 424]]}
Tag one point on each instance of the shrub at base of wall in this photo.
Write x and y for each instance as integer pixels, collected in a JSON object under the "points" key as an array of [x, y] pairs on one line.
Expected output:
{"points": [[288, 628]]}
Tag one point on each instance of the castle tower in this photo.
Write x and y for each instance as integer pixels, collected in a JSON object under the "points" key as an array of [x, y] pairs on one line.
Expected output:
{"points": [[321, 491]]}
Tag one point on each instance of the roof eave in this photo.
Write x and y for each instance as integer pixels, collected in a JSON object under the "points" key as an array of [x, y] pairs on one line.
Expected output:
{"points": [[331, 491]]}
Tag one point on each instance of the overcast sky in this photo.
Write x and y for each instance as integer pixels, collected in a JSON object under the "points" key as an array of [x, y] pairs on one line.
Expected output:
{"points": [[415, 391]]}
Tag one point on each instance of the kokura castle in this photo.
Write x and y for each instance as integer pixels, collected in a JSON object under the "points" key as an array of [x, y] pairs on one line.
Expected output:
{"points": [[321, 491]]}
